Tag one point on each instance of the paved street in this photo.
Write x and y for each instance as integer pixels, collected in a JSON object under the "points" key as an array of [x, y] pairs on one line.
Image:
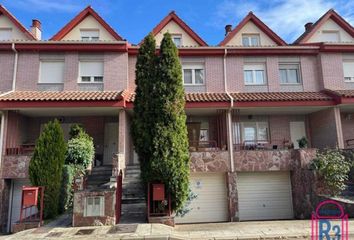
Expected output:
{"points": [[295, 229]]}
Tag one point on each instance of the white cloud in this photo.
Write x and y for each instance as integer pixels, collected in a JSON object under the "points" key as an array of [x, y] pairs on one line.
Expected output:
{"points": [[285, 17]]}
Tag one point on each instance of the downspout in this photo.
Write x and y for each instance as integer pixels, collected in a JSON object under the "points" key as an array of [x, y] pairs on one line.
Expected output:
{"points": [[229, 118]]}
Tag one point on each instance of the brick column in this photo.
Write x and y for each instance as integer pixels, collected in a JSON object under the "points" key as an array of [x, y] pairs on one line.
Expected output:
{"points": [[122, 138], [232, 196]]}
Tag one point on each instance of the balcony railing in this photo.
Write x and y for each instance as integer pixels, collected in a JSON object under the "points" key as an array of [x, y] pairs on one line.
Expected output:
{"points": [[24, 149], [200, 146], [264, 145]]}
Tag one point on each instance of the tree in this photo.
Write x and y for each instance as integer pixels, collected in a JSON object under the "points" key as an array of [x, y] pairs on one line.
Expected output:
{"points": [[143, 119], [46, 165], [159, 125]]}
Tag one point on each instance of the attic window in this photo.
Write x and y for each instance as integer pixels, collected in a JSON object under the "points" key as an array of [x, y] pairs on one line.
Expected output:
{"points": [[90, 35], [5, 34], [330, 36], [250, 40], [177, 39]]}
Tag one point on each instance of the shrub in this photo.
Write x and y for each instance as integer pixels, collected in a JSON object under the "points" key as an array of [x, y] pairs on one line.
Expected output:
{"points": [[75, 130], [186, 209], [302, 142], [81, 150], [67, 191], [333, 168], [46, 165]]}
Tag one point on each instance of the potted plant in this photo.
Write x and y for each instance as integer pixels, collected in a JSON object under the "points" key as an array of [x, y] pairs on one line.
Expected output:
{"points": [[302, 142]]}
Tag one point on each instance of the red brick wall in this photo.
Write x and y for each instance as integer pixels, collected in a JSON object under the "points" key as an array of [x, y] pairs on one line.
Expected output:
{"points": [[131, 72], [6, 69], [332, 70], [214, 74], [71, 71], [309, 73], [115, 71], [27, 71]]}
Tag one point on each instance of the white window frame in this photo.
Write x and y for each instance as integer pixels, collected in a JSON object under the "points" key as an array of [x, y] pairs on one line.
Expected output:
{"points": [[50, 61], [92, 78], [177, 36], [193, 67], [256, 125], [255, 67], [249, 37], [89, 38], [331, 32], [351, 77], [287, 67], [8, 30], [89, 212]]}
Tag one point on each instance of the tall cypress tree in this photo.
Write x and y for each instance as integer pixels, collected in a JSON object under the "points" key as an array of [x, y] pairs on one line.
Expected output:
{"points": [[170, 155], [46, 165], [143, 118]]}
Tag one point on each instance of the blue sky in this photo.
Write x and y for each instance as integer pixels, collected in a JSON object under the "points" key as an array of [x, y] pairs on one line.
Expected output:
{"points": [[134, 19]]}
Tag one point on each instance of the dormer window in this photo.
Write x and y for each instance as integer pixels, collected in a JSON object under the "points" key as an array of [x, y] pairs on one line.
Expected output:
{"points": [[250, 40], [330, 36], [177, 39], [90, 34], [5, 34]]}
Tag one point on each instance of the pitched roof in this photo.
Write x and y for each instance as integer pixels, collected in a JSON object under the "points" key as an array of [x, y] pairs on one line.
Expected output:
{"points": [[261, 25], [17, 23], [63, 96], [197, 97], [172, 16], [330, 14], [341, 93], [280, 96], [79, 18]]}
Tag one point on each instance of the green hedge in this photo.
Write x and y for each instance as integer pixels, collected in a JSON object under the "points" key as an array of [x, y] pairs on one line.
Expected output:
{"points": [[67, 191]]}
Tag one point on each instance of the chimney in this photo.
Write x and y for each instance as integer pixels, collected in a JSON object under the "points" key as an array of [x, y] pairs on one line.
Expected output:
{"points": [[228, 29], [36, 29], [308, 26]]}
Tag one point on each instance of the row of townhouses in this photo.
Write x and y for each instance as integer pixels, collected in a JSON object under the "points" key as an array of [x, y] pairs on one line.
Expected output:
{"points": [[248, 100]]}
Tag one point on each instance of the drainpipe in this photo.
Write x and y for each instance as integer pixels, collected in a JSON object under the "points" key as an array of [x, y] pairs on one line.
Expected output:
{"points": [[14, 76], [229, 117]]}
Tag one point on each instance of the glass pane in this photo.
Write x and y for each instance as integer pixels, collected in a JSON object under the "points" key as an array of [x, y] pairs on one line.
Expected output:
{"points": [[97, 201], [177, 41], [187, 73], [98, 79], [254, 41], [95, 38], [249, 134], [85, 38], [199, 76], [248, 76], [262, 132], [245, 41], [283, 76], [89, 201], [85, 79], [259, 77], [293, 76]]}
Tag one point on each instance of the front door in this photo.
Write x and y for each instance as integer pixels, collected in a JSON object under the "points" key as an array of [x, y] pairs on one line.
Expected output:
{"points": [[297, 131], [110, 142]]}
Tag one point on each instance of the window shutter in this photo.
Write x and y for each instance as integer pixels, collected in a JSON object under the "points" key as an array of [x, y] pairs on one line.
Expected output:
{"points": [[91, 68], [348, 68], [52, 72]]}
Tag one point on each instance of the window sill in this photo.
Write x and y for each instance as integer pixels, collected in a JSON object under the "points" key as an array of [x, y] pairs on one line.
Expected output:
{"points": [[43, 83], [290, 84], [83, 83], [194, 85], [255, 85]]}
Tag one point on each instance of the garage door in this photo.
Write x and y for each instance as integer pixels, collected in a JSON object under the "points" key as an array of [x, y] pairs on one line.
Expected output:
{"points": [[264, 196], [211, 203]]}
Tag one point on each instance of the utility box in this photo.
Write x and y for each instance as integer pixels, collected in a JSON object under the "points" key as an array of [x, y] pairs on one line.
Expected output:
{"points": [[158, 192], [30, 196]]}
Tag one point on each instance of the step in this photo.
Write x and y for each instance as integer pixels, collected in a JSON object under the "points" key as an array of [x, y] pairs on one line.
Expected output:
{"points": [[132, 200], [133, 166]]}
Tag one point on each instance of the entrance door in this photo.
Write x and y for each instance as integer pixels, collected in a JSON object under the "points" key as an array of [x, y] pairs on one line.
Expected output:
{"points": [[110, 142], [297, 131]]}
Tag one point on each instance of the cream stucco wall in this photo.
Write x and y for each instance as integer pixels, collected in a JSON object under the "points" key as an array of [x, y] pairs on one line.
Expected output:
{"points": [[330, 25], [88, 23], [17, 34], [173, 28], [251, 28]]}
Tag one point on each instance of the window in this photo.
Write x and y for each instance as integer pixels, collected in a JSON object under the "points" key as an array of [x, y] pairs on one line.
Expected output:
{"points": [[193, 74], [51, 71], [91, 72], [254, 132], [250, 40], [5, 34], [177, 39], [254, 74], [289, 73], [330, 36], [348, 69], [90, 35], [94, 206]]}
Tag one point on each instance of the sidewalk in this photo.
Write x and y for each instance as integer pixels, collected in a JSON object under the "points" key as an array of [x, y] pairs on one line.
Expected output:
{"points": [[294, 229]]}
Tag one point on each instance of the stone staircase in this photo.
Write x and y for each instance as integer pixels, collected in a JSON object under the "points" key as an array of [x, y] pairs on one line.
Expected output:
{"points": [[99, 177], [133, 199]]}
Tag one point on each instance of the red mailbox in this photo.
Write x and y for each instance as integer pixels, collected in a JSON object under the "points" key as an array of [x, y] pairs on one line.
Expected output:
{"points": [[158, 192], [30, 196]]}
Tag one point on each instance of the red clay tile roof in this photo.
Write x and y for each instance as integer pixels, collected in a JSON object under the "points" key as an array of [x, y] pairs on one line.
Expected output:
{"points": [[63, 96], [342, 93], [197, 97], [280, 96]]}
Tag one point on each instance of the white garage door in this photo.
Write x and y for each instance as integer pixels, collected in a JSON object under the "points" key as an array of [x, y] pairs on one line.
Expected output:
{"points": [[264, 196], [211, 203]]}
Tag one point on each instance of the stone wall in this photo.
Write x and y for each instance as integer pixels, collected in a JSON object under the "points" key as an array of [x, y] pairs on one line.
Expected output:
{"points": [[212, 161], [79, 218], [15, 166]]}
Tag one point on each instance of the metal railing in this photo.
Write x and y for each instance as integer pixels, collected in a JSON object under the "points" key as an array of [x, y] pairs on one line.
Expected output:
{"points": [[211, 145], [264, 145]]}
